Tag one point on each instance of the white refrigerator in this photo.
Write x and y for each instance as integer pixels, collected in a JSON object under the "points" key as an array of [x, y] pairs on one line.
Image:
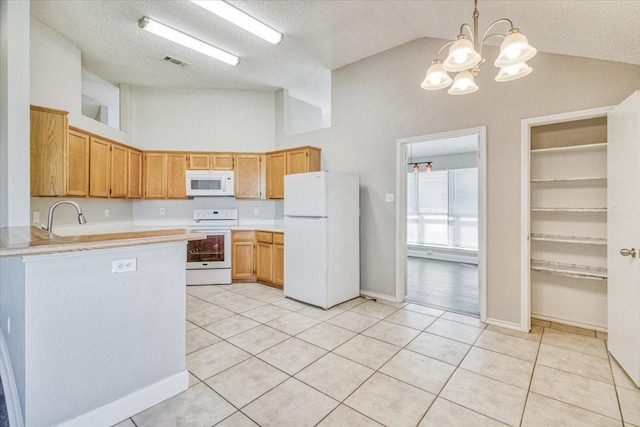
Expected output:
{"points": [[322, 237]]}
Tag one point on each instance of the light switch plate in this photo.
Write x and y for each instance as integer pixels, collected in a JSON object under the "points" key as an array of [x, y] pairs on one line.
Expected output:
{"points": [[124, 265], [389, 198]]}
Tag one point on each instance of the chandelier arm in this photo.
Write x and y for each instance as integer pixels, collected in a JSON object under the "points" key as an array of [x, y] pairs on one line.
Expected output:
{"points": [[471, 32], [443, 46], [487, 38], [493, 24]]}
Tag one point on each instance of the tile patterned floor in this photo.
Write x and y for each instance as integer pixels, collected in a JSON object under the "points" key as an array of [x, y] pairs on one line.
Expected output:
{"points": [[257, 358]]}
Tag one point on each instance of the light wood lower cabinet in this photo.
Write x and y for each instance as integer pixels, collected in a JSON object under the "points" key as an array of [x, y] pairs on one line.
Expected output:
{"points": [[242, 256], [270, 258]]}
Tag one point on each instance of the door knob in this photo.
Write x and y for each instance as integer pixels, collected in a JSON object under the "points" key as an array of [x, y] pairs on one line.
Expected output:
{"points": [[628, 252]]}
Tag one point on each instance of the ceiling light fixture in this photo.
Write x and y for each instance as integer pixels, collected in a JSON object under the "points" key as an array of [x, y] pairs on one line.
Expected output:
{"points": [[237, 17], [416, 167], [176, 36], [465, 58]]}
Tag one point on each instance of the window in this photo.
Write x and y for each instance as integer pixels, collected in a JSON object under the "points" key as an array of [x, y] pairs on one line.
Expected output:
{"points": [[442, 208]]}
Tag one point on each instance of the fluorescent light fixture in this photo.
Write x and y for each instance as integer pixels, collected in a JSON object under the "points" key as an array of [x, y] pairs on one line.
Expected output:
{"points": [[237, 17], [185, 40]]}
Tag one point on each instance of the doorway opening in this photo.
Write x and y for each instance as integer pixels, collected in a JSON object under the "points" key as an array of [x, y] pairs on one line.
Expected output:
{"points": [[441, 221]]}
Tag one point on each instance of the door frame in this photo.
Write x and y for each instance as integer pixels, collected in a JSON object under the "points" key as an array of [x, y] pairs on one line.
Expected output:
{"points": [[402, 159], [525, 200]]}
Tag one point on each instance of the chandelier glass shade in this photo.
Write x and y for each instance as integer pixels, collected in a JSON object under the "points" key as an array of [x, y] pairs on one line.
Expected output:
{"points": [[465, 58]]}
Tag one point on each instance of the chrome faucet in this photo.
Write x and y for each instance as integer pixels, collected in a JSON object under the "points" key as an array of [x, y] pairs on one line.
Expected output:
{"points": [[81, 218]]}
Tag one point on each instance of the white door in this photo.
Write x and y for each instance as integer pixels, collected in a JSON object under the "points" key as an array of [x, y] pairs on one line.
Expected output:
{"points": [[305, 260], [623, 229]]}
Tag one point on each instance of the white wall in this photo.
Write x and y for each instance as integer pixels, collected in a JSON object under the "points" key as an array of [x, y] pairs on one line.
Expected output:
{"points": [[183, 209], [203, 119], [300, 116], [378, 100], [93, 210], [56, 79], [100, 91], [14, 113]]}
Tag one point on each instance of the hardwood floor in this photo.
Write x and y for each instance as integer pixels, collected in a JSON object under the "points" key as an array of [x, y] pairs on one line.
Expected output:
{"points": [[448, 285]]}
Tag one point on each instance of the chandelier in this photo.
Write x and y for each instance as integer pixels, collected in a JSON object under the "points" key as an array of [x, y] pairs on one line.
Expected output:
{"points": [[465, 58]]}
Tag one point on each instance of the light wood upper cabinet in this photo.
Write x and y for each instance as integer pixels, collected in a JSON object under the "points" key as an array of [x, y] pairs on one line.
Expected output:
{"points": [[99, 168], [287, 162], [119, 168], [77, 163], [176, 176], [155, 175], [276, 167], [222, 161], [248, 176], [48, 148], [302, 160], [242, 256], [134, 182], [200, 161]]}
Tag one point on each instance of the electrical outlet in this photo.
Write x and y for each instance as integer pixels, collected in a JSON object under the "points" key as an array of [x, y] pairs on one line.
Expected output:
{"points": [[256, 211], [36, 216], [124, 265], [161, 211], [389, 198], [106, 213]]}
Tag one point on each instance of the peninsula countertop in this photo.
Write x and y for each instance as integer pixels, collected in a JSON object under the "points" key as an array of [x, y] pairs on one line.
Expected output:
{"points": [[22, 241]]}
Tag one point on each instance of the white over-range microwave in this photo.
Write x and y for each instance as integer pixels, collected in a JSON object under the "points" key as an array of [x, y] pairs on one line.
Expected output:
{"points": [[209, 183]]}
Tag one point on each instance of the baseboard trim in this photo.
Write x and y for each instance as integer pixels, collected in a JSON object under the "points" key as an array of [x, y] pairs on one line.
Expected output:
{"points": [[568, 322], [506, 325], [10, 389], [376, 295], [123, 408]]}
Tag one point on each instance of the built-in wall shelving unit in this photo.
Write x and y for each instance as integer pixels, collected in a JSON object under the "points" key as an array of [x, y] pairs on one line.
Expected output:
{"points": [[568, 245]]}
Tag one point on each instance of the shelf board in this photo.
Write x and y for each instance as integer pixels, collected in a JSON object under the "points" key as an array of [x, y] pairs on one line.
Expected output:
{"points": [[568, 239], [574, 148], [576, 179], [575, 210], [570, 270]]}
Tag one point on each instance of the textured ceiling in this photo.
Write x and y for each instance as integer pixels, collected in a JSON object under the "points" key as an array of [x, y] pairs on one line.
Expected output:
{"points": [[320, 36]]}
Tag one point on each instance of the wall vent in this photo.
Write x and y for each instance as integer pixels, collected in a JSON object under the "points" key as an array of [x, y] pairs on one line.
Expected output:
{"points": [[176, 61]]}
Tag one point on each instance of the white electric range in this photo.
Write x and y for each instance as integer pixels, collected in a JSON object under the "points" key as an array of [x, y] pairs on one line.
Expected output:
{"points": [[209, 260]]}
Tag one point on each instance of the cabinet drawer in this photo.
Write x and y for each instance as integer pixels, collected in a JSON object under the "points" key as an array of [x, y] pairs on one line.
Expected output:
{"points": [[278, 238], [264, 237], [242, 236]]}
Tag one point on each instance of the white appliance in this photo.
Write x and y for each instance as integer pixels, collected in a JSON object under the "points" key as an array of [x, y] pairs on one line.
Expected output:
{"points": [[209, 260], [209, 183], [322, 237]]}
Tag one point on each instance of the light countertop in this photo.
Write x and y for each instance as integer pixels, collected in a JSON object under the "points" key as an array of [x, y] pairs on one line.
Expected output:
{"points": [[19, 241]]}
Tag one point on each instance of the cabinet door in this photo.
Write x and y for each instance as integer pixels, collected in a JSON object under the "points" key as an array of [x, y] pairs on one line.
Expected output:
{"points": [[119, 168], [222, 161], [155, 175], [48, 138], [242, 261], [264, 261], [77, 164], [247, 176], [297, 161], [99, 168], [275, 175], [200, 161], [176, 177], [134, 181], [278, 264]]}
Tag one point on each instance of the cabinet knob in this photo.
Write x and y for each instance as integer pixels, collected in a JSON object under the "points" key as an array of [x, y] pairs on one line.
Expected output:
{"points": [[628, 252]]}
